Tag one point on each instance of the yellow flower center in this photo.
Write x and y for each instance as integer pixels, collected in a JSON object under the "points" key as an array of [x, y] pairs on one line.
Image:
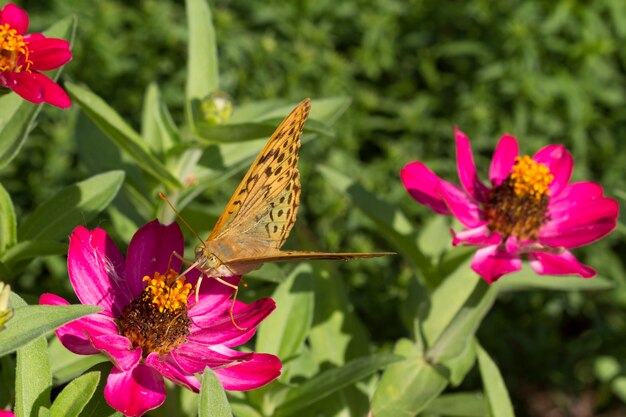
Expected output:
{"points": [[530, 178], [12, 48], [519, 206], [165, 292], [157, 320]]}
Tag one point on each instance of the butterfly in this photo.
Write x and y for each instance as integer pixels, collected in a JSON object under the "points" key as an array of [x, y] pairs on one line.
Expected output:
{"points": [[262, 211]]}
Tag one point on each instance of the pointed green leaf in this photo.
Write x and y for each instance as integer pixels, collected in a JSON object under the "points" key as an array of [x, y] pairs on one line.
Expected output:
{"points": [[71, 401], [333, 380], [16, 114], [30, 322], [155, 129], [213, 401], [8, 224], [29, 249], [462, 404], [496, 393], [97, 405], [57, 217], [527, 279], [407, 387], [120, 133], [284, 332], [68, 365], [32, 378]]}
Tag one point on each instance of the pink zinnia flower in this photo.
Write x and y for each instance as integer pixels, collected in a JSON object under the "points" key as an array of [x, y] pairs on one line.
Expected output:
{"points": [[149, 327], [6, 413], [23, 56], [529, 209]]}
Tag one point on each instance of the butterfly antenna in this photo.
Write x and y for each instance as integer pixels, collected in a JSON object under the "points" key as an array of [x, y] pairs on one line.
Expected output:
{"points": [[162, 196]]}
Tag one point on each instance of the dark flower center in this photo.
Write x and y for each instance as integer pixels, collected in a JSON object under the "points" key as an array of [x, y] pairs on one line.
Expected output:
{"points": [[519, 206], [12, 48], [157, 320]]}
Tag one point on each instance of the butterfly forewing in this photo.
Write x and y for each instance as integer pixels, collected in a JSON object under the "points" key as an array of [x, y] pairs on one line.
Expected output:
{"points": [[263, 209]]}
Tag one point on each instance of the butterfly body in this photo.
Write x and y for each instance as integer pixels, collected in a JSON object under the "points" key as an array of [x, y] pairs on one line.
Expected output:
{"points": [[262, 211]]}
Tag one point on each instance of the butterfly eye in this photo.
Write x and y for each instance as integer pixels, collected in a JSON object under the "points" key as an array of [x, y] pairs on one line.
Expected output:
{"points": [[199, 250]]}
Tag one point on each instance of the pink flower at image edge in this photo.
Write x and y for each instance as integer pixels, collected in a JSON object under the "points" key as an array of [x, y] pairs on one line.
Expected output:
{"points": [[6, 413], [201, 337], [530, 208], [22, 57]]}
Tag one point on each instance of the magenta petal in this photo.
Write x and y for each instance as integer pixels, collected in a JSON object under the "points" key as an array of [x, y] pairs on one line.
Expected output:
{"points": [[150, 250], [119, 350], [574, 192], [421, 183], [37, 88], [503, 159], [193, 358], [478, 236], [492, 262], [6, 413], [221, 330], [260, 370], [467, 169], [47, 53], [563, 263], [560, 162], [579, 222], [134, 392], [76, 336], [15, 17], [96, 269], [214, 297], [462, 206], [167, 366]]}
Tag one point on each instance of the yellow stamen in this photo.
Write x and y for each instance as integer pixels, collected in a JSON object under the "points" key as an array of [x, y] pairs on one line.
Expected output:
{"points": [[530, 178], [166, 291], [12, 48]]}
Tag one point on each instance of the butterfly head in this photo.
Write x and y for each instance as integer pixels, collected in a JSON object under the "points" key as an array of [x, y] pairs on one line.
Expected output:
{"points": [[206, 259]]}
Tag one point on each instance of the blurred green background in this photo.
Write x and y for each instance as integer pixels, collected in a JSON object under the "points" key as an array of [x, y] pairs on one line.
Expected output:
{"points": [[544, 71]]}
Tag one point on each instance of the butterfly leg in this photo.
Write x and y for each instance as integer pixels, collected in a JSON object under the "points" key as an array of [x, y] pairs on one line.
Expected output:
{"points": [[232, 305]]}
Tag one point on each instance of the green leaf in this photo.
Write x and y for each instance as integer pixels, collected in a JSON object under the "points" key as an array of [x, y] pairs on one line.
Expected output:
{"points": [[120, 133], [30, 322], [68, 365], [155, 129], [496, 394], [390, 222], [462, 404], [527, 279], [331, 381], [8, 224], [244, 410], [57, 217], [97, 405], [71, 401], [29, 249], [202, 68], [284, 332], [213, 401], [18, 115], [407, 387]]}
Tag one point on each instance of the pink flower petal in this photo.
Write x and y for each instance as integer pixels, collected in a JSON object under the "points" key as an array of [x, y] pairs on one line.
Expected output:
{"points": [[76, 336], [96, 269], [563, 263], [6, 413], [421, 183], [119, 350], [480, 236], [47, 53], [467, 169], [579, 222], [150, 251], [574, 192], [503, 159], [15, 17], [214, 298], [262, 369], [462, 206], [37, 88], [492, 262], [134, 392], [193, 358], [221, 330], [167, 366], [560, 162]]}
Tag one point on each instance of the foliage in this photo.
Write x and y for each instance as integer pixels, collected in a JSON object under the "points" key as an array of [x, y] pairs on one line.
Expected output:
{"points": [[547, 72]]}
